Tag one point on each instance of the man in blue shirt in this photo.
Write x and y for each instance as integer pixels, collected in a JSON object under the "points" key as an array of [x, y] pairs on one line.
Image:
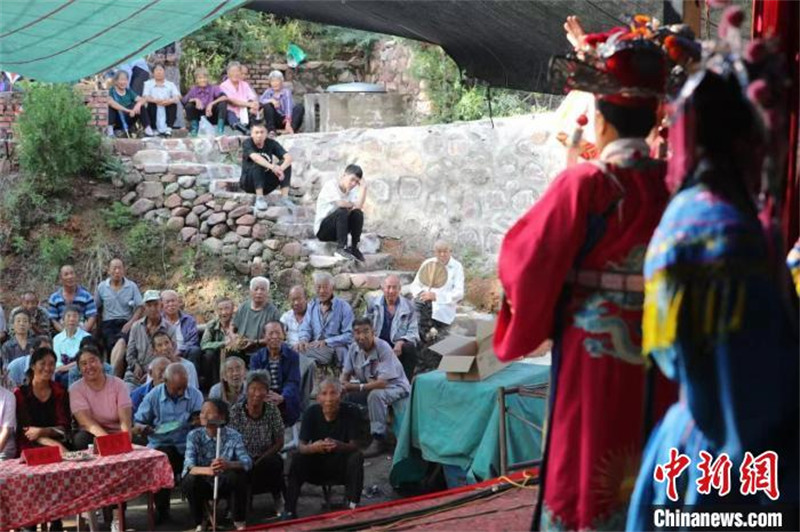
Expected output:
{"points": [[166, 416], [71, 293], [156, 372], [327, 329]]}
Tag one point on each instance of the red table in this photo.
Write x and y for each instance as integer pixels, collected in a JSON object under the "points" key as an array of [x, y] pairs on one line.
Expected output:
{"points": [[35, 494]]}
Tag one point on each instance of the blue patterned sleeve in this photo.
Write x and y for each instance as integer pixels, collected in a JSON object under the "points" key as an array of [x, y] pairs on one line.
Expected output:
{"points": [[241, 453], [190, 459]]}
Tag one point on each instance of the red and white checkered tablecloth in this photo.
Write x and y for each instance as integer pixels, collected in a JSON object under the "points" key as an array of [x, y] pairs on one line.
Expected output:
{"points": [[35, 494]]}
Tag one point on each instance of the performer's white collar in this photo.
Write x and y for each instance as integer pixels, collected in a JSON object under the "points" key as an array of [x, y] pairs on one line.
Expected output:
{"points": [[622, 149]]}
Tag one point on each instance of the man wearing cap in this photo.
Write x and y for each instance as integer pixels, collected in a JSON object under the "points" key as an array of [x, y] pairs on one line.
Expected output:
{"points": [[140, 342], [571, 270]]}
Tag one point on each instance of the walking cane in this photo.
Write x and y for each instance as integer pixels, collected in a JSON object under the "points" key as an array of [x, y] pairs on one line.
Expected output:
{"points": [[218, 424]]}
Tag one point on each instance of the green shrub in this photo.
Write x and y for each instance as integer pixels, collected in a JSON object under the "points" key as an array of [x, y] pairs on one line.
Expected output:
{"points": [[144, 242], [54, 252], [118, 216], [56, 140]]}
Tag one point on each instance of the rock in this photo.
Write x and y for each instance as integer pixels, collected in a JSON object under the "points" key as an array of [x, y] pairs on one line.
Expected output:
{"points": [[206, 215], [188, 194], [240, 211], [260, 231], [192, 220], [255, 249], [370, 243], [216, 206], [229, 250], [184, 169], [268, 255], [292, 249], [287, 278], [154, 168], [359, 280], [142, 205], [219, 230], [128, 147], [213, 245], [217, 218], [150, 189], [183, 156], [247, 219], [229, 205], [245, 243], [202, 199], [324, 262], [294, 230], [172, 201], [186, 181], [244, 230], [168, 179], [242, 267], [273, 213], [143, 158], [199, 209], [258, 267], [230, 223], [300, 266], [175, 223], [171, 189], [231, 238], [181, 211], [132, 178], [272, 244], [187, 233], [342, 282], [151, 216], [129, 198]]}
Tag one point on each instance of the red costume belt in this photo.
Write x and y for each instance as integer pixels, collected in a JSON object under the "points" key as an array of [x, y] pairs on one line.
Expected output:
{"points": [[604, 280]]}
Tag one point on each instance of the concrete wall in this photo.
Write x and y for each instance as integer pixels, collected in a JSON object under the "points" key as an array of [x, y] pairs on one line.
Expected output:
{"points": [[335, 112], [467, 182]]}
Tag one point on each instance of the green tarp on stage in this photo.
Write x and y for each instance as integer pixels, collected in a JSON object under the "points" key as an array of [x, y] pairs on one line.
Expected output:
{"points": [[71, 39]]}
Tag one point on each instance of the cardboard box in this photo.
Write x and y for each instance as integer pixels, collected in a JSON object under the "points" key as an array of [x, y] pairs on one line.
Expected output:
{"points": [[469, 358]]}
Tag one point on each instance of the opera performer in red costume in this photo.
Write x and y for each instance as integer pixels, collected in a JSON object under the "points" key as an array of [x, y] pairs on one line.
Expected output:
{"points": [[571, 270]]}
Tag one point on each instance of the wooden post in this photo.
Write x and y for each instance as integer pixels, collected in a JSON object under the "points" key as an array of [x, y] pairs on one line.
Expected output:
{"points": [[692, 15]]}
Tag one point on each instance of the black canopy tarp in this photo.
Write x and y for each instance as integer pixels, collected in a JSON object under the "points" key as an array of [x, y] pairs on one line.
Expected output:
{"points": [[504, 43]]}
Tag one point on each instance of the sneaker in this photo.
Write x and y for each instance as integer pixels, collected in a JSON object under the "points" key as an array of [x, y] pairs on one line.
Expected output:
{"points": [[288, 516], [261, 203], [148, 132], [239, 525], [352, 506], [199, 528], [344, 253], [356, 253], [286, 202], [115, 525], [110, 131], [168, 132], [279, 506]]}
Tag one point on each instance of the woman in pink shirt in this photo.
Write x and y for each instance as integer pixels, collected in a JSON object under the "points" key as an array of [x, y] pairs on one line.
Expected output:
{"points": [[241, 99]]}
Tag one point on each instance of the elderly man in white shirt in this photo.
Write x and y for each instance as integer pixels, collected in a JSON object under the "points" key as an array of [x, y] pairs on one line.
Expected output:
{"points": [[340, 212], [437, 306]]}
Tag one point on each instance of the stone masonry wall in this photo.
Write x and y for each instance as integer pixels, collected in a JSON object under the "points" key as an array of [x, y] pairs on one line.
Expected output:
{"points": [[308, 77], [390, 65]]}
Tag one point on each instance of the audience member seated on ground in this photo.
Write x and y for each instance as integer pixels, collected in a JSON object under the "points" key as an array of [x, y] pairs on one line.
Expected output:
{"points": [[283, 366], [253, 314], [127, 110], [188, 339], [204, 100], [265, 167], [155, 373], [293, 317], [40, 317], [258, 421], [219, 334], [43, 415], [71, 293], [163, 346], [200, 465], [8, 425], [242, 100], [340, 212], [139, 352], [67, 343], [165, 417], [437, 306], [162, 98], [328, 453], [100, 403], [327, 330], [138, 71], [20, 344], [74, 374], [394, 320], [231, 388], [3, 326], [280, 111], [373, 376], [119, 304]]}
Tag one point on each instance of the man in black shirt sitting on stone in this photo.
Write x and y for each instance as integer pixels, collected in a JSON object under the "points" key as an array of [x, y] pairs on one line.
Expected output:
{"points": [[328, 452], [265, 167]]}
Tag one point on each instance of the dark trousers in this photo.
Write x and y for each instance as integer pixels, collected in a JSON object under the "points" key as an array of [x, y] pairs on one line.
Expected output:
{"points": [[200, 488], [176, 461], [82, 439], [233, 118], [118, 120], [259, 177], [275, 119], [335, 468], [111, 332], [267, 476], [138, 77], [218, 112], [209, 369], [172, 114], [340, 223], [408, 358]]}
